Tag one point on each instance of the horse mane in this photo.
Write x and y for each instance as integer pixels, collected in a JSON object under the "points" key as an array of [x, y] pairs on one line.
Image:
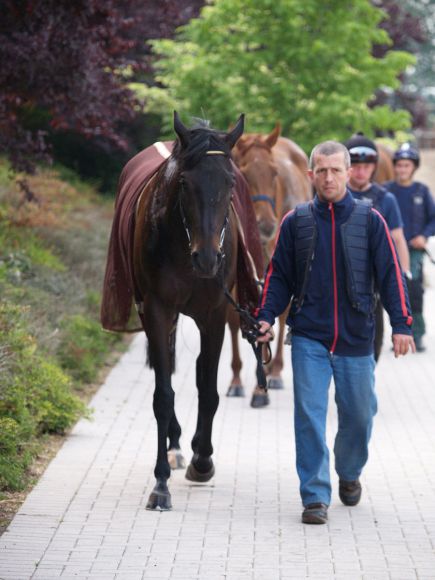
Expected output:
{"points": [[202, 138]]}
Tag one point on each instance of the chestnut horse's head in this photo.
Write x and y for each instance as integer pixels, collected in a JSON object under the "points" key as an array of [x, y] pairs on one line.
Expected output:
{"points": [[206, 179], [384, 169], [254, 157]]}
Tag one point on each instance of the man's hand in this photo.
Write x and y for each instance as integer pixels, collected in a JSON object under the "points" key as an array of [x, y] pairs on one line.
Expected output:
{"points": [[267, 331], [402, 343], [418, 243]]}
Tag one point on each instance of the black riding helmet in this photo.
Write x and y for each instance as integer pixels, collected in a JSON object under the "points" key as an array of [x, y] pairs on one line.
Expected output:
{"points": [[361, 149], [407, 151]]}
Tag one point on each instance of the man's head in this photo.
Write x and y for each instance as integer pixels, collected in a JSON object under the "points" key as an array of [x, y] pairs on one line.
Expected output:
{"points": [[406, 160], [329, 170], [364, 157]]}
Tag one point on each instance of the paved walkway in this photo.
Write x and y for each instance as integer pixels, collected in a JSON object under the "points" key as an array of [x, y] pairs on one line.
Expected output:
{"points": [[86, 518]]}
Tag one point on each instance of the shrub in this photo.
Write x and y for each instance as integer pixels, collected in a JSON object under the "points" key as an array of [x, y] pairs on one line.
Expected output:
{"points": [[83, 347], [35, 397]]}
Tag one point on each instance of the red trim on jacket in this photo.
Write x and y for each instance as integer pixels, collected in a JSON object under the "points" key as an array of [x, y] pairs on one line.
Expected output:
{"points": [[397, 269], [270, 268]]}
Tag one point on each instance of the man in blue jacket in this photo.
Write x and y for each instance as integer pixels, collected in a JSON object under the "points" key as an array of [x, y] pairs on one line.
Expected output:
{"points": [[364, 158], [417, 207], [328, 255]]}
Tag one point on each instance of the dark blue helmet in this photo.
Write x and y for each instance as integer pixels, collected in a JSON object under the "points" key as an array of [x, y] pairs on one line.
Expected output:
{"points": [[407, 151], [361, 149]]}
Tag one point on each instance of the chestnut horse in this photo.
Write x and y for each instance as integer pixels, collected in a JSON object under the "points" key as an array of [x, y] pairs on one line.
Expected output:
{"points": [[275, 169], [384, 172], [184, 250], [384, 168]]}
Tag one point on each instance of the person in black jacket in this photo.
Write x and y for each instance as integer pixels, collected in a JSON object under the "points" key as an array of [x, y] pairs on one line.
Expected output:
{"points": [[417, 207], [328, 255]]}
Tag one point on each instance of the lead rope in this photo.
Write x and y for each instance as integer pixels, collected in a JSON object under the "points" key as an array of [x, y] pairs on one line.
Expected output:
{"points": [[429, 255], [251, 332]]}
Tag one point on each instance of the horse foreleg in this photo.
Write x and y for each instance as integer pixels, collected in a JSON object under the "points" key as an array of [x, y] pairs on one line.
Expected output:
{"points": [[236, 388], [201, 467], [175, 457], [157, 324]]}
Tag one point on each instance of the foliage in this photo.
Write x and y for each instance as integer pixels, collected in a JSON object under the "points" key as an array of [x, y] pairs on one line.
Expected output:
{"points": [[35, 396], [308, 65], [45, 284], [63, 68], [408, 31], [420, 83], [84, 347]]}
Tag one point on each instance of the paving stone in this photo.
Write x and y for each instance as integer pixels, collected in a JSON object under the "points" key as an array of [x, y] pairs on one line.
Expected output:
{"points": [[86, 517]]}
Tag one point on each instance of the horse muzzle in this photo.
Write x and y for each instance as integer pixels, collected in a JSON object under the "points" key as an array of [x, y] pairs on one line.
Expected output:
{"points": [[206, 263], [267, 228]]}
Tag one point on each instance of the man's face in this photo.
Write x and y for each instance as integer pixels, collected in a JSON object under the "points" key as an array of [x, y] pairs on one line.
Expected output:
{"points": [[404, 170], [360, 175], [329, 176]]}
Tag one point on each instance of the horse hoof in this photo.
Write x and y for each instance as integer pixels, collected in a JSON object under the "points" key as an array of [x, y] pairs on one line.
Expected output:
{"points": [[259, 399], [159, 501], [176, 459], [275, 383], [236, 391], [192, 474]]}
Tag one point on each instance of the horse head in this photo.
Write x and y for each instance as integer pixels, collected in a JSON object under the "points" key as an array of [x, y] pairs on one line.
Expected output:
{"points": [[206, 179], [254, 156]]}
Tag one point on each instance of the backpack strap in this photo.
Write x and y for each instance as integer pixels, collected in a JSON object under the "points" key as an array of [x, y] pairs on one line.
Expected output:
{"points": [[305, 242]]}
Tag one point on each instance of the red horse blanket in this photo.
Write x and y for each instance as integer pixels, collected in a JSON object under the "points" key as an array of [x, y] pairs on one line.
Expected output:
{"points": [[119, 288]]}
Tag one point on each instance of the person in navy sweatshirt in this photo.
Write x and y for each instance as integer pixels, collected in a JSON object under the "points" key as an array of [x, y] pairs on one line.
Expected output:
{"points": [[328, 255], [364, 158], [417, 207]]}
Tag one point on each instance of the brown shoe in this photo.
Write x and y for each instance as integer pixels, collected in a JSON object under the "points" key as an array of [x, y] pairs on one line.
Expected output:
{"points": [[349, 491], [315, 513]]}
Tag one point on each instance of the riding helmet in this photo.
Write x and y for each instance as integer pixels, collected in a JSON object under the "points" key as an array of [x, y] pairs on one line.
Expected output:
{"points": [[407, 151], [361, 149]]}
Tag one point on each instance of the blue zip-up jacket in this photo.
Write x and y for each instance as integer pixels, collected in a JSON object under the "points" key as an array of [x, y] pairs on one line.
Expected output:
{"points": [[417, 207], [327, 314]]}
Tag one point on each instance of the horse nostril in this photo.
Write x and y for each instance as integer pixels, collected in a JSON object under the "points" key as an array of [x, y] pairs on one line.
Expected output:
{"points": [[195, 259], [219, 258]]}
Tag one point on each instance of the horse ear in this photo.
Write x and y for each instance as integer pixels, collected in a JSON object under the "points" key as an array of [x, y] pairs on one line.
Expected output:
{"points": [[273, 137], [232, 137], [181, 130]]}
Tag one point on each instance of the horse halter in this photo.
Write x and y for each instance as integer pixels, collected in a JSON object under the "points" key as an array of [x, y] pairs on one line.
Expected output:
{"points": [[264, 197], [184, 220]]}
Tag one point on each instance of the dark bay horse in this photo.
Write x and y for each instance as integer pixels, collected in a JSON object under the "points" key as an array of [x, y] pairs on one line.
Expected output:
{"points": [[184, 244], [276, 170]]}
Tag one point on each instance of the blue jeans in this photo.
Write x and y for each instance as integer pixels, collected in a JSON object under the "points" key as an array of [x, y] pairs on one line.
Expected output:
{"points": [[313, 368]]}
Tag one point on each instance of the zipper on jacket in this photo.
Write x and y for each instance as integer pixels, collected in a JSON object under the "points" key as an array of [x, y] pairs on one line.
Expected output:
{"points": [[334, 280]]}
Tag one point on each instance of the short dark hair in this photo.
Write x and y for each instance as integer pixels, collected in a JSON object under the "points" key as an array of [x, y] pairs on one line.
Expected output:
{"points": [[329, 148]]}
